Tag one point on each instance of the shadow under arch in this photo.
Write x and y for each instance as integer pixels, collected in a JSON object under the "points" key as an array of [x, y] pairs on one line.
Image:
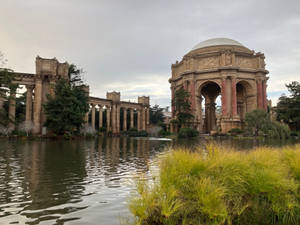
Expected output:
{"points": [[210, 90]]}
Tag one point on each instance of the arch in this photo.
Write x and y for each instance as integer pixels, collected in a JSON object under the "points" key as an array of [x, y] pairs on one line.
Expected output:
{"points": [[246, 98], [210, 90]]}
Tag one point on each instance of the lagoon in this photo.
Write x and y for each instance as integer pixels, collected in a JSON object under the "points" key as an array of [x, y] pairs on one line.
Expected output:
{"points": [[84, 181]]}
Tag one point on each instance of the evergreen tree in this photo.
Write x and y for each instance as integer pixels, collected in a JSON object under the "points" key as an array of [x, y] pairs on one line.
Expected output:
{"points": [[156, 115], [65, 111], [182, 106], [288, 108]]}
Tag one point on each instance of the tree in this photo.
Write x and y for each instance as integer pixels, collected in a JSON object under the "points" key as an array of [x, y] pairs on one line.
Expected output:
{"points": [[156, 114], [6, 85], [182, 106], [259, 123], [288, 108], [65, 110], [256, 120]]}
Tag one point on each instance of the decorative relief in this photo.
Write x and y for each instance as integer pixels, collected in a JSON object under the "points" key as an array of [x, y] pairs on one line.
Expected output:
{"points": [[244, 62], [209, 62], [228, 58]]}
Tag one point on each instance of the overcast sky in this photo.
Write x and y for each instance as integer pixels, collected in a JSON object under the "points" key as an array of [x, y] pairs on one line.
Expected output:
{"points": [[129, 46]]}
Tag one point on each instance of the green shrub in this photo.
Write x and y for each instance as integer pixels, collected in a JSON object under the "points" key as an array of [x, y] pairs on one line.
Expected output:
{"points": [[163, 133], [235, 131], [102, 129], [211, 187], [133, 132], [294, 134], [19, 133], [187, 133], [67, 135]]}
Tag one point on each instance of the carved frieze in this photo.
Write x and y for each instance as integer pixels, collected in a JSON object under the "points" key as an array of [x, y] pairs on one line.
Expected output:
{"points": [[244, 62], [209, 62]]}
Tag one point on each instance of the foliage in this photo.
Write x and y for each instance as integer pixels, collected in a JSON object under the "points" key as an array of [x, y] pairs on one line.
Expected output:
{"points": [[182, 106], [133, 132], [163, 133], [235, 131], [156, 115], [6, 86], [258, 122], [260, 187], [102, 129], [65, 110], [187, 133], [288, 108]]}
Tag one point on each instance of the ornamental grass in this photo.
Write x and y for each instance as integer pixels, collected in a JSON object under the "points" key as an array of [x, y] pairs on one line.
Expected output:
{"points": [[218, 186]]}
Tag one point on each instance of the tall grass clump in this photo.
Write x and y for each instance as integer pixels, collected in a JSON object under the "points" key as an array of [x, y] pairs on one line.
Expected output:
{"points": [[216, 186]]}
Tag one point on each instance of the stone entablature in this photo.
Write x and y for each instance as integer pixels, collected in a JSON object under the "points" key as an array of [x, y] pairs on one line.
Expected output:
{"points": [[232, 71], [212, 59], [39, 85]]}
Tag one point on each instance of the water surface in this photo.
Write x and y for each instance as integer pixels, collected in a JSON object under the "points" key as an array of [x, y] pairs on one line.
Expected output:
{"points": [[81, 182]]}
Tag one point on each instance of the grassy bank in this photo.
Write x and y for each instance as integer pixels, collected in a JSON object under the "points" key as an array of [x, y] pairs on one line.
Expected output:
{"points": [[219, 186]]}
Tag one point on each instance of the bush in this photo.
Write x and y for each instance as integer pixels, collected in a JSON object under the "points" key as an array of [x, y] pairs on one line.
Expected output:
{"points": [[294, 134], [235, 131], [259, 123], [102, 129], [133, 132], [187, 133], [260, 187], [163, 133]]}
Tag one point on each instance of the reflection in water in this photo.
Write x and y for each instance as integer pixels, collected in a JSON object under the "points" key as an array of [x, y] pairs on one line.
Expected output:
{"points": [[83, 182], [80, 182]]}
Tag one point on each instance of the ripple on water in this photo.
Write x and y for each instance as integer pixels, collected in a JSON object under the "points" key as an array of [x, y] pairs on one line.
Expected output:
{"points": [[78, 182]]}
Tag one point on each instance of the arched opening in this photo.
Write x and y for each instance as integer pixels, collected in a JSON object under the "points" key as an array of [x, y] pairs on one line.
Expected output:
{"points": [[245, 99], [211, 106]]}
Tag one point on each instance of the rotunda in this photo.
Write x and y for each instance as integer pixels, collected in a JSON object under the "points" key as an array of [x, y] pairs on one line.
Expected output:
{"points": [[221, 67]]}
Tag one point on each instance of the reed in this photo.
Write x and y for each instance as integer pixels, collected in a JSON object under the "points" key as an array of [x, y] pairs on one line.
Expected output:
{"points": [[219, 186]]}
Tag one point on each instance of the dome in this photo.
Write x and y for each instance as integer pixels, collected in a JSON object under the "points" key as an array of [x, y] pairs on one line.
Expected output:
{"points": [[216, 42]]}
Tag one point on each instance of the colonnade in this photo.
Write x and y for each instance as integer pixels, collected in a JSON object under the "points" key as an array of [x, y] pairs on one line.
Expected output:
{"points": [[113, 117], [12, 106]]}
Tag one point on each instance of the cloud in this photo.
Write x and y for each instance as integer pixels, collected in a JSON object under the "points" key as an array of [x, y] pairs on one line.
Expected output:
{"points": [[130, 45]]}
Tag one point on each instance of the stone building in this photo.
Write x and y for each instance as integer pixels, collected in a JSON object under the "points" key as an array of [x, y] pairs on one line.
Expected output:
{"points": [[221, 67], [42, 83]]}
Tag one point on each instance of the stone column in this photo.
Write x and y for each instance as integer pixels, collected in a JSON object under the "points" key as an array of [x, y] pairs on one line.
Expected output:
{"points": [[108, 128], [264, 89], [118, 119], [144, 119], [29, 104], [223, 97], [12, 109], [138, 119], [37, 107], [233, 98], [100, 117], [1, 102], [259, 94], [124, 119], [131, 118], [93, 116], [207, 117], [86, 117], [193, 96], [172, 99], [113, 118], [148, 116], [213, 115]]}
